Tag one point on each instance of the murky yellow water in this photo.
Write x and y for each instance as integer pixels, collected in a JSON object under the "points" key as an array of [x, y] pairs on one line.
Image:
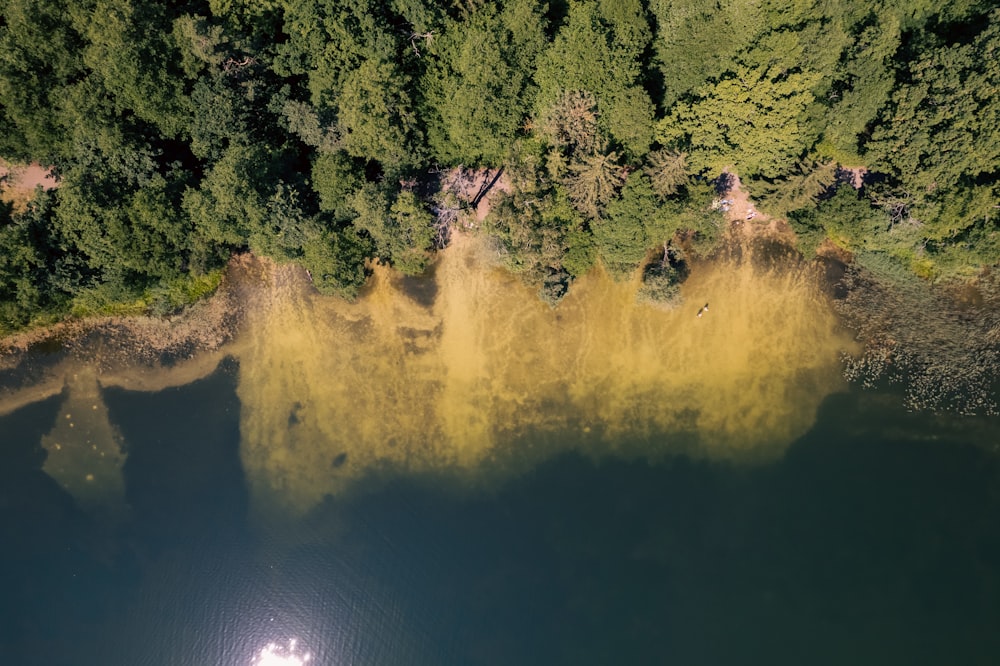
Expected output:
{"points": [[332, 390], [484, 379], [84, 452]]}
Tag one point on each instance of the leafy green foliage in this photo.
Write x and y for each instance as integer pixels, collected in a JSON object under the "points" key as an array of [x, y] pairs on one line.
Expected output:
{"points": [[357, 65], [667, 171], [304, 121], [622, 237], [866, 81], [802, 188], [540, 234], [697, 41], [400, 226], [751, 118], [22, 268], [203, 45], [316, 131], [130, 50], [480, 82], [376, 118], [334, 179], [940, 128], [661, 285], [598, 51], [40, 54], [335, 259], [230, 202]]}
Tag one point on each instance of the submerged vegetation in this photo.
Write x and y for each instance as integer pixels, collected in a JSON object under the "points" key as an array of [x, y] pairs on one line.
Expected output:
{"points": [[941, 345], [330, 132]]}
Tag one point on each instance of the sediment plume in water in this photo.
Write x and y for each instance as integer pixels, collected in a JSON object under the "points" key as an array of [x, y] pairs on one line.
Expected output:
{"points": [[467, 371], [475, 374], [84, 450]]}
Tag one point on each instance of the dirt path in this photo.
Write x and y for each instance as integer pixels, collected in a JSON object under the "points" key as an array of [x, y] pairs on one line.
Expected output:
{"points": [[745, 218], [18, 182], [855, 175], [740, 207], [475, 190]]}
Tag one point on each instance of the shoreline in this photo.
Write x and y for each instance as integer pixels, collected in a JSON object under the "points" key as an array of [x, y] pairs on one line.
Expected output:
{"points": [[132, 341], [393, 380], [147, 353], [210, 323]]}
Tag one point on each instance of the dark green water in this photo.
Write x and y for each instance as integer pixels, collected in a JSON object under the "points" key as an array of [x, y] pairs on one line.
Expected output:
{"points": [[875, 540]]}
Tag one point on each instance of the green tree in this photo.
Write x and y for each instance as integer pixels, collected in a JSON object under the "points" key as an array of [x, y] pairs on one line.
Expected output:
{"points": [[230, 203], [661, 283], [667, 171], [156, 235], [376, 118], [599, 51], [220, 117], [335, 178], [359, 70], [863, 86], [847, 218], [940, 129], [22, 266], [286, 226], [40, 53], [130, 48], [305, 122], [203, 44], [328, 39], [478, 85], [401, 227], [693, 217], [938, 141], [751, 119], [621, 236], [335, 259], [801, 188], [698, 40], [540, 237]]}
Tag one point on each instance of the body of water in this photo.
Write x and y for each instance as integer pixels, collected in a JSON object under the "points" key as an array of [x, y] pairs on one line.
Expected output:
{"points": [[456, 474], [865, 543]]}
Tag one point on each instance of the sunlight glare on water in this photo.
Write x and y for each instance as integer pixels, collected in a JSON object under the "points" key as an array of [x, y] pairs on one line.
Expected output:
{"points": [[276, 655]]}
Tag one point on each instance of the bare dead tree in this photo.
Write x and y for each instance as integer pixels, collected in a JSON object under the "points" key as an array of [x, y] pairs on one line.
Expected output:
{"points": [[897, 205], [234, 66], [414, 36]]}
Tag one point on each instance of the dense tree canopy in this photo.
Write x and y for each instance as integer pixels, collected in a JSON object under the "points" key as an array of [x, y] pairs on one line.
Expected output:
{"points": [[317, 131], [478, 86], [599, 51], [751, 118]]}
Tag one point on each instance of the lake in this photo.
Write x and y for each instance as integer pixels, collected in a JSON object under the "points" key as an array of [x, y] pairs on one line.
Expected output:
{"points": [[449, 472]]}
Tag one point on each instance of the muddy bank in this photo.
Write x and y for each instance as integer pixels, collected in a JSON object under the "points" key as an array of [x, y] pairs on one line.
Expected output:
{"points": [[142, 353], [466, 371]]}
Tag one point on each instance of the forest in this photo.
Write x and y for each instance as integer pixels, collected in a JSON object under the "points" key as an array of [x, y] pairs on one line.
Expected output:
{"points": [[321, 131]]}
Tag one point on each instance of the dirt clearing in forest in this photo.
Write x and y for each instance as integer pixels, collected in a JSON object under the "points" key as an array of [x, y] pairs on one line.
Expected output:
{"points": [[472, 192], [743, 216], [18, 182]]}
